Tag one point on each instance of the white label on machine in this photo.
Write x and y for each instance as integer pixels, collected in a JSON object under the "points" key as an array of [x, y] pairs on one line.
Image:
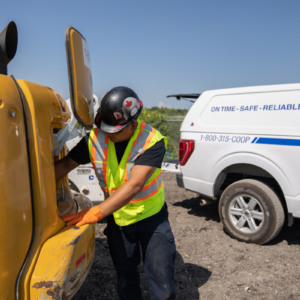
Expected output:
{"points": [[86, 54], [84, 171]]}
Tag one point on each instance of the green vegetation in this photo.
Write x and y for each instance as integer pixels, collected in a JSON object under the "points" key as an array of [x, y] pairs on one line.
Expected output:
{"points": [[158, 118], [169, 111]]}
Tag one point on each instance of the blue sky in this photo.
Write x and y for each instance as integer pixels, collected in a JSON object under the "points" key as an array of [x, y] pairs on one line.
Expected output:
{"points": [[160, 47]]}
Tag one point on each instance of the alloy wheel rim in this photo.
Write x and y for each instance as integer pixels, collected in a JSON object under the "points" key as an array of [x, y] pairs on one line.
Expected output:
{"points": [[246, 213]]}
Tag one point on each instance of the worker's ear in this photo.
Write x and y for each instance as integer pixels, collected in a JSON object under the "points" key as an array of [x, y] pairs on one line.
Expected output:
{"points": [[134, 126]]}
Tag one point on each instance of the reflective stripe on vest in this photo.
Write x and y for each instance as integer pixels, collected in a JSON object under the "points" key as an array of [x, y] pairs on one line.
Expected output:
{"points": [[149, 190], [142, 142], [139, 146]]}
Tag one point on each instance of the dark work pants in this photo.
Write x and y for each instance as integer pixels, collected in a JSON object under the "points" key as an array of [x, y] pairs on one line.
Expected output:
{"points": [[156, 239]]}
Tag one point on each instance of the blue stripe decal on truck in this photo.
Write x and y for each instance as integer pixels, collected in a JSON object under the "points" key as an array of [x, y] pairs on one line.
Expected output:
{"points": [[282, 142], [254, 140]]}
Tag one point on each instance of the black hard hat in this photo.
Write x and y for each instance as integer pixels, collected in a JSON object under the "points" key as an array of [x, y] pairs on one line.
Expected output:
{"points": [[119, 107]]}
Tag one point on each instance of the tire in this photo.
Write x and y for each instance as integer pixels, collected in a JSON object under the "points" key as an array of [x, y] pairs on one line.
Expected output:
{"points": [[251, 212]]}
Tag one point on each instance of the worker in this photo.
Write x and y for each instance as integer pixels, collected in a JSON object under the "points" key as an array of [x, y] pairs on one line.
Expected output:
{"points": [[127, 155]]}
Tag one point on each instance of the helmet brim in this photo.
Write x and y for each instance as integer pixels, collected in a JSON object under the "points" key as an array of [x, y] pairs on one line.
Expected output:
{"points": [[114, 128]]}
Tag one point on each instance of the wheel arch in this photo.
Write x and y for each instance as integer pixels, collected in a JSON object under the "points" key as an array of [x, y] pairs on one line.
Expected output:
{"points": [[238, 160]]}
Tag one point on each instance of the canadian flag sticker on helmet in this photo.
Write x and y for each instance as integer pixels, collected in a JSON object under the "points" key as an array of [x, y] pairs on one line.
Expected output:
{"points": [[128, 103], [130, 107], [117, 115]]}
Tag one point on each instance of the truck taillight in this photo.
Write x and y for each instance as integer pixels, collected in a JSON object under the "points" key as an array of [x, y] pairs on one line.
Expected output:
{"points": [[186, 148]]}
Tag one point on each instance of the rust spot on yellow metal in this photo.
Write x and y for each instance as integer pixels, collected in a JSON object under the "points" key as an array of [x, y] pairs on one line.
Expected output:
{"points": [[55, 293], [43, 284], [74, 242], [74, 277]]}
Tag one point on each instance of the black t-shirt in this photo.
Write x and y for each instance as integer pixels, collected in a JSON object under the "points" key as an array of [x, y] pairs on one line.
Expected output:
{"points": [[152, 157]]}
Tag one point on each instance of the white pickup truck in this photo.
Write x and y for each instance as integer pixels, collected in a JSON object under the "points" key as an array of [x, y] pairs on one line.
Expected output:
{"points": [[244, 144]]}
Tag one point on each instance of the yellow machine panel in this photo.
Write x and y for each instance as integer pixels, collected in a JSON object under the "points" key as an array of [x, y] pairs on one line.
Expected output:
{"points": [[63, 264], [47, 112], [41, 258], [15, 197]]}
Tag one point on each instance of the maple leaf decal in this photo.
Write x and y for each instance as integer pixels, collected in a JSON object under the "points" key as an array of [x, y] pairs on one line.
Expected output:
{"points": [[128, 103]]}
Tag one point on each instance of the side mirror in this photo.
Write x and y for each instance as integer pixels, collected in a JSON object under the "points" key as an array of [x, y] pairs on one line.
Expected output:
{"points": [[81, 86], [80, 77]]}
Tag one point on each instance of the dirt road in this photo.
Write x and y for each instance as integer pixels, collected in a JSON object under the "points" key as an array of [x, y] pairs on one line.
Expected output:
{"points": [[209, 263]]}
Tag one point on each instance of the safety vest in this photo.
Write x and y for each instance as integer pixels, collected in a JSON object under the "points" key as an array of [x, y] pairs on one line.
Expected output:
{"points": [[112, 175]]}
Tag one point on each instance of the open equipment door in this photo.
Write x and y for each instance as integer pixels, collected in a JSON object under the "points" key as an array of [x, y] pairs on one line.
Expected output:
{"points": [[40, 257], [80, 77], [66, 257], [80, 84]]}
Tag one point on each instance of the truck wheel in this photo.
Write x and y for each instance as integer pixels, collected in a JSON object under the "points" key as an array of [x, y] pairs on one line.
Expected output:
{"points": [[251, 211]]}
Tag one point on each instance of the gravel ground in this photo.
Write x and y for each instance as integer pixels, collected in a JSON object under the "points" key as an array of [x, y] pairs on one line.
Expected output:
{"points": [[209, 263]]}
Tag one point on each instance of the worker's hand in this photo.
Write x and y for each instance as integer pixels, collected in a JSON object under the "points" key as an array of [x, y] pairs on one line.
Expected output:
{"points": [[87, 216]]}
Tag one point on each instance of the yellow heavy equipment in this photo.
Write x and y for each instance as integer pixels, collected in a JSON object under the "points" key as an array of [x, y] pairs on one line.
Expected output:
{"points": [[41, 258]]}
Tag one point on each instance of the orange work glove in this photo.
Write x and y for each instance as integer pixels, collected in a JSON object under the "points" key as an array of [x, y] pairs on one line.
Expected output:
{"points": [[86, 216]]}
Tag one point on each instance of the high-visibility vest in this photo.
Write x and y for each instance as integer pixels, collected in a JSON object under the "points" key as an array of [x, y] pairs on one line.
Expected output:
{"points": [[112, 175]]}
